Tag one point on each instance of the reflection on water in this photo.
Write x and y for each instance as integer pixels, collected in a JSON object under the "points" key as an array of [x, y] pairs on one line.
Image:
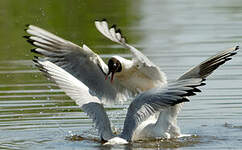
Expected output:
{"points": [[175, 34]]}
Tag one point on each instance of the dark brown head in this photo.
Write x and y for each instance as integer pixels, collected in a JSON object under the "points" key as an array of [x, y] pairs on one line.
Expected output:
{"points": [[114, 66]]}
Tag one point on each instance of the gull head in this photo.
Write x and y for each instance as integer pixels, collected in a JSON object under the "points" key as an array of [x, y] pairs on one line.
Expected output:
{"points": [[114, 65]]}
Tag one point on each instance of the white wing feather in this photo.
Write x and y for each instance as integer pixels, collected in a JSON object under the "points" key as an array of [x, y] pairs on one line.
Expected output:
{"points": [[80, 93], [81, 62], [157, 100], [145, 65]]}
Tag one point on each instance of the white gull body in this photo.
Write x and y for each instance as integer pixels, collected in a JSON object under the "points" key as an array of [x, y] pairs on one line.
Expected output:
{"points": [[137, 76]]}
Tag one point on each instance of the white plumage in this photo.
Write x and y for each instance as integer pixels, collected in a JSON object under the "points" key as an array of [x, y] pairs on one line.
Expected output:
{"points": [[81, 74], [145, 105]]}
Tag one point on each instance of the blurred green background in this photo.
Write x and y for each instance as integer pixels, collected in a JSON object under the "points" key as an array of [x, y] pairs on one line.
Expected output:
{"points": [[70, 19]]}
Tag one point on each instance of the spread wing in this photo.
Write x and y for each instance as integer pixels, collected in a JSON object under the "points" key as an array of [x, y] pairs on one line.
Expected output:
{"points": [[81, 62], [156, 100], [143, 63], [205, 68], [80, 93]]}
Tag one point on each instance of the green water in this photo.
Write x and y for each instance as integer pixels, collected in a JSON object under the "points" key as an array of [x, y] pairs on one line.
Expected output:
{"points": [[174, 34]]}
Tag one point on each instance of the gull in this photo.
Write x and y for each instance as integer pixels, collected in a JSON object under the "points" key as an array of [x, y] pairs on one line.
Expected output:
{"points": [[128, 77], [141, 108]]}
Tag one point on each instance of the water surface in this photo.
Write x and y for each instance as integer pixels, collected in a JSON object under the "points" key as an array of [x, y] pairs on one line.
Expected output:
{"points": [[174, 34]]}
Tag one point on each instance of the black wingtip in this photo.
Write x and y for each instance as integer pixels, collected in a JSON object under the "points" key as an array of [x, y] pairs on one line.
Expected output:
{"points": [[31, 42], [36, 57], [114, 26], [227, 59], [233, 53], [27, 25], [189, 93], [119, 31], [104, 19], [35, 60], [181, 101], [185, 100], [196, 90], [26, 36], [202, 84], [236, 47], [34, 51]]}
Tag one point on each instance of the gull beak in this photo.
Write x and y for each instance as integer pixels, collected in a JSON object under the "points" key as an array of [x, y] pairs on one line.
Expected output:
{"points": [[106, 77], [112, 75]]}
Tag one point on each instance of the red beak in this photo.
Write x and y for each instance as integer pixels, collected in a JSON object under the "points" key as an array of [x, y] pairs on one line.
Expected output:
{"points": [[112, 75], [106, 77]]}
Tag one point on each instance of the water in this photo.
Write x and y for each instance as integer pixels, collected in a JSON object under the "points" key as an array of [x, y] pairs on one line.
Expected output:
{"points": [[174, 34]]}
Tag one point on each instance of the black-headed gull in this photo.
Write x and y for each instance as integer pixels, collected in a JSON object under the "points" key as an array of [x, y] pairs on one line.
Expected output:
{"points": [[141, 108], [131, 76]]}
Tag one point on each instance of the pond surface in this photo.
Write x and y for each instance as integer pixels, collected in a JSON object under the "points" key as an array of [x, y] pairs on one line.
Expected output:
{"points": [[174, 34]]}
